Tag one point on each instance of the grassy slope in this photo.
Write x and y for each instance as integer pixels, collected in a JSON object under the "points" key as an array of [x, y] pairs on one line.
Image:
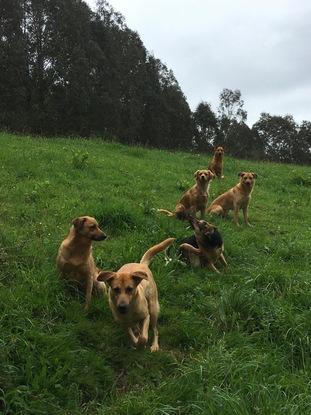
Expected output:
{"points": [[238, 343]]}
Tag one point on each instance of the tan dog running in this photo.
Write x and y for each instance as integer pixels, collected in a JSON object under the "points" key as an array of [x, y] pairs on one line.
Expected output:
{"points": [[217, 163], [75, 259], [195, 199], [236, 198], [206, 245], [133, 297]]}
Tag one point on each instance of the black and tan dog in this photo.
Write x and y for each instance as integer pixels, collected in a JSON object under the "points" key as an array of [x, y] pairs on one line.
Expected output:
{"points": [[205, 247], [75, 259], [217, 163], [235, 199], [195, 199], [133, 297]]}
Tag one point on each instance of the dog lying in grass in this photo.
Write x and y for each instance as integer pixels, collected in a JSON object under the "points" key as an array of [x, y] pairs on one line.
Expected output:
{"points": [[133, 297], [205, 247], [217, 163], [235, 199], [75, 259], [195, 199]]}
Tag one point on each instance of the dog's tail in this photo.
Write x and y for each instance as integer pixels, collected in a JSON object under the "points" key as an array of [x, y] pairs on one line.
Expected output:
{"points": [[166, 212], [146, 258], [180, 213]]}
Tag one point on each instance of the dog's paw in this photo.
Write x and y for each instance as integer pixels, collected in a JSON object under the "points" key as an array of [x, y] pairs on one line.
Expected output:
{"points": [[154, 348], [141, 341]]}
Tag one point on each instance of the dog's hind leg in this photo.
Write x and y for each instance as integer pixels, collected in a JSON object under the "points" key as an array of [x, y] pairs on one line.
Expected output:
{"points": [[191, 249], [154, 311], [216, 210]]}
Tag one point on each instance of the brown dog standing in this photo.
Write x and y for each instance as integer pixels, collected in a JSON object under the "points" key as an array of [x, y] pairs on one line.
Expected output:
{"points": [[195, 199], [217, 163], [236, 198], [75, 259], [133, 297]]}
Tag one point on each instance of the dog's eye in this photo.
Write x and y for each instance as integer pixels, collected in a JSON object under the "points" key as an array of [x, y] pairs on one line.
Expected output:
{"points": [[93, 227], [117, 290], [129, 290]]}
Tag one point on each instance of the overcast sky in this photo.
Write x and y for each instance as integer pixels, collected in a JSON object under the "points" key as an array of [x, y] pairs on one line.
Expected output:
{"points": [[261, 47]]}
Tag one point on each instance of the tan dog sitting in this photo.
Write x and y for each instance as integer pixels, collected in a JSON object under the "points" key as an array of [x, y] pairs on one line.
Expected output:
{"points": [[235, 199], [133, 297], [217, 163], [75, 259], [195, 199], [205, 247]]}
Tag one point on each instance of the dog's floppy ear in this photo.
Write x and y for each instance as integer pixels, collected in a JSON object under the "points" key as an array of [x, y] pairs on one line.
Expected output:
{"points": [[106, 276], [196, 173], [254, 175], [78, 222], [138, 276], [241, 173]]}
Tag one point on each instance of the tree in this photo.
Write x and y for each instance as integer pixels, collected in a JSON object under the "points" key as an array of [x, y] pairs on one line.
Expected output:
{"points": [[67, 70], [13, 66], [301, 151], [207, 132], [278, 134], [230, 110], [243, 142]]}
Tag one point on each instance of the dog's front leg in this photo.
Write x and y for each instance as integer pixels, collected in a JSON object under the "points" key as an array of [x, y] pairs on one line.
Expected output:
{"points": [[88, 292], [223, 259], [245, 214], [236, 215], [132, 336], [213, 268], [143, 337]]}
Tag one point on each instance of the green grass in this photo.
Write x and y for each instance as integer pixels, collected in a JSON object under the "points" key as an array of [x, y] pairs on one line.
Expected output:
{"points": [[238, 343]]}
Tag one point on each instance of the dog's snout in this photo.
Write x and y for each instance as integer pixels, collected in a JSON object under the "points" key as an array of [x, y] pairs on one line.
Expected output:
{"points": [[101, 237], [122, 308]]}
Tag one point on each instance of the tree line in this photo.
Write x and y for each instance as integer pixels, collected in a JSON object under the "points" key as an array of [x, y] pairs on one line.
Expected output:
{"points": [[67, 70]]}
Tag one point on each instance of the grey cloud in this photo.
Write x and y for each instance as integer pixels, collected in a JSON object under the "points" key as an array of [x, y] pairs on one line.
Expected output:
{"points": [[260, 47]]}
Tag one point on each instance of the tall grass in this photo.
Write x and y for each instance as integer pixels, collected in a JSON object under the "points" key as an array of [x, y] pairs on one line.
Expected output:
{"points": [[238, 343]]}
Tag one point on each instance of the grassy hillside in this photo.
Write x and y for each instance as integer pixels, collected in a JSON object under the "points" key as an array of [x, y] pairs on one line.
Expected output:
{"points": [[238, 343]]}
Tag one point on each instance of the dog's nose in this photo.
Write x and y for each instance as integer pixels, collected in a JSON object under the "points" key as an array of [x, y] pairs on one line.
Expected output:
{"points": [[102, 237], [122, 308]]}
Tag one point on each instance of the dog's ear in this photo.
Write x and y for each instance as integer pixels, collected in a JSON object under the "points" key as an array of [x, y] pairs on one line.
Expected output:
{"points": [[106, 276], [254, 175], [196, 173], [138, 276], [78, 222], [241, 173], [211, 174]]}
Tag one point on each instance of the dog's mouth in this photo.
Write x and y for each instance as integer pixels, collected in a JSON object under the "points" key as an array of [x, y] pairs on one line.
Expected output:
{"points": [[122, 309]]}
